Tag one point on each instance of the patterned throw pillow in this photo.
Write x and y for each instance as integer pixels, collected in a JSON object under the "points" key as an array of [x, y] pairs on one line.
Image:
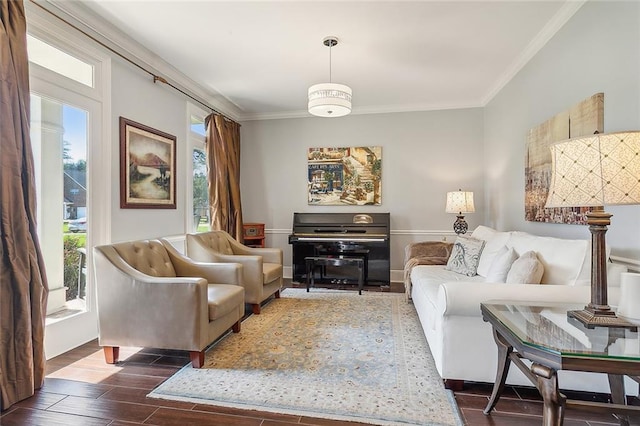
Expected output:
{"points": [[465, 256]]}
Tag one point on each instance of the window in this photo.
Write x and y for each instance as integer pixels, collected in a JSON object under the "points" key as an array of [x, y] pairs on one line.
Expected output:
{"points": [[70, 80], [60, 62], [59, 140], [197, 126], [200, 185]]}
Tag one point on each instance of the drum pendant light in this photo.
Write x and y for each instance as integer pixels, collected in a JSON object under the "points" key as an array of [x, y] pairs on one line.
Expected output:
{"points": [[329, 99]]}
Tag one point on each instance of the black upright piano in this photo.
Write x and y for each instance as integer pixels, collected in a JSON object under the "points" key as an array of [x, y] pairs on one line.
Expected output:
{"points": [[342, 234]]}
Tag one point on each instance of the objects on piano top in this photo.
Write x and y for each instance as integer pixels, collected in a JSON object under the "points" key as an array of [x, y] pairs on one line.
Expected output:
{"points": [[362, 218]]}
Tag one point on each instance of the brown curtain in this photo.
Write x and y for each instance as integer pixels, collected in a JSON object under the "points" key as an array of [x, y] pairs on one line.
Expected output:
{"points": [[23, 283], [223, 161]]}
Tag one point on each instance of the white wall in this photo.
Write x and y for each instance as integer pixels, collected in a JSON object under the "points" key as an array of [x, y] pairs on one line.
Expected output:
{"points": [[135, 96], [598, 50], [424, 155]]}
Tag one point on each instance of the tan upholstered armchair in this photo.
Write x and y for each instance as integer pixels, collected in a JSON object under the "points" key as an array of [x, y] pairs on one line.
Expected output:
{"points": [[150, 295], [262, 273]]}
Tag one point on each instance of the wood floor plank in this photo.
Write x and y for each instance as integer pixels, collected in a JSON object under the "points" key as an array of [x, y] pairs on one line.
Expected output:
{"points": [[328, 422], [249, 413], [174, 417], [133, 381], [31, 417], [139, 396], [41, 401], [103, 409], [75, 388]]}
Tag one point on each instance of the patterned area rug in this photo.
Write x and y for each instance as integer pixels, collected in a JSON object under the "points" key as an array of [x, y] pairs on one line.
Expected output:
{"points": [[329, 354]]}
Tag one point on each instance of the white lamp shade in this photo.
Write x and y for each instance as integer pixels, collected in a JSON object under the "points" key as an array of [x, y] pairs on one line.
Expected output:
{"points": [[595, 170], [329, 100], [460, 202]]}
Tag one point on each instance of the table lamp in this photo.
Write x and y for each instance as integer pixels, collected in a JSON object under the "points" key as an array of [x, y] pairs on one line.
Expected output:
{"points": [[593, 171], [460, 202]]}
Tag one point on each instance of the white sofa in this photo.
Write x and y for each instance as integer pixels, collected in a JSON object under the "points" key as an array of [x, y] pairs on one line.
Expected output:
{"points": [[448, 304]]}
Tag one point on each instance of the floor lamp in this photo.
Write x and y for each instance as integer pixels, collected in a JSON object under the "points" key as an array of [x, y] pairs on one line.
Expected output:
{"points": [[594, 171]]}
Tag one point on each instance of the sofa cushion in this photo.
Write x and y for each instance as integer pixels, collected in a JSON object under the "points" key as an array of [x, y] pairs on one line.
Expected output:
{"points": [[527, 269], [501, 265], [223, 298], [465, 256], [562, 259], [494, 241]]}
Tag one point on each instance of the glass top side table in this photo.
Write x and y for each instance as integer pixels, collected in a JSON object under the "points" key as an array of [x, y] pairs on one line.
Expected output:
{"points": [[543, 334]]}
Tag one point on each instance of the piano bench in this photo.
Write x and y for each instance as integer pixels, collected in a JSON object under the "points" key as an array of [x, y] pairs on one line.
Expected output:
{"points": [[313, 261]]}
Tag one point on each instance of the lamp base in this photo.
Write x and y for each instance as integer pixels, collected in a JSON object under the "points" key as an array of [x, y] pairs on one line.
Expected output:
{"points": [[460, 225], [592, 318]]}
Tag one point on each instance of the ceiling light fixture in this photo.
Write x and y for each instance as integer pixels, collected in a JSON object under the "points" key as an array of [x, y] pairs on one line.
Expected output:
{"points": [[329, 99]]}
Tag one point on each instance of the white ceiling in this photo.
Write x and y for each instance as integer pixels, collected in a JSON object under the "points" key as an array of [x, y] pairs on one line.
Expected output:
{"points": [[396, 55]]}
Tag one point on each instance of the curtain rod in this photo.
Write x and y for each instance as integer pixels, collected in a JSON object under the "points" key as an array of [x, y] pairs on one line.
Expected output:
{"points": [[156, 78]]}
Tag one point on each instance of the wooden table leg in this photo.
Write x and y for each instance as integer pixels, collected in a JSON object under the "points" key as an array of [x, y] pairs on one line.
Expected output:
{"points": [[554, 401], [504, 361], [616, 384]]}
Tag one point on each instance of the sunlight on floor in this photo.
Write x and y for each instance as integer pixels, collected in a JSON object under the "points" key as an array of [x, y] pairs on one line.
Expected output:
{"points": [[92, 368]]}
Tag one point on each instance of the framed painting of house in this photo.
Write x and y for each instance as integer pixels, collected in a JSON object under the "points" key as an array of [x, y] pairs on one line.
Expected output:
{"points": [[344, 176], [147, 167]]}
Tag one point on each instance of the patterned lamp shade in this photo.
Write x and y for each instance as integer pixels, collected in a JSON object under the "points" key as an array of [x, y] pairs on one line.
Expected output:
{"points": [[460, 202], [596, 170]]}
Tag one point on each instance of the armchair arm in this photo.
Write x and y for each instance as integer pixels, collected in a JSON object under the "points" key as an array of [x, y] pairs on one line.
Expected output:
{"points": [[135, 309], [252, 274], [269, 255], [218, 273], [464, 298]]}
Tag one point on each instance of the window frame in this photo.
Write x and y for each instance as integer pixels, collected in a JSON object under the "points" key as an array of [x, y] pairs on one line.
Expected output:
{"points": [[74, 330], [195, 141]]}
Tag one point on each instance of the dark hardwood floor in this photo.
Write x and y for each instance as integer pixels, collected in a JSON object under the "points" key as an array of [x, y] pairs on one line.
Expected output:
{"points": [[81, 389]]}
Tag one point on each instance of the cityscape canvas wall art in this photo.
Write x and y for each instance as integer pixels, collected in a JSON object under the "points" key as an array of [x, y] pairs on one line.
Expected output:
{"points": [[345, 176], [584, 118]]}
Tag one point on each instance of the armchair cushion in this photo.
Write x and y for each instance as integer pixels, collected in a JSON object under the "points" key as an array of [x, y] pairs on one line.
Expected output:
{"points": [[271, 271], [223, 298]]}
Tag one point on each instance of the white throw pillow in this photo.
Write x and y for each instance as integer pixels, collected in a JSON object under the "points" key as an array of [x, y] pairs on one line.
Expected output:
{"points": [[465, 256], [494, 241], [527, 269], [501, 265]]}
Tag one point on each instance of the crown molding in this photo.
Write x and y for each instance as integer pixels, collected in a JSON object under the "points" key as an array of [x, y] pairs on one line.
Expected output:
{"points": [[539, 41], [383, 109], [80, 16]]}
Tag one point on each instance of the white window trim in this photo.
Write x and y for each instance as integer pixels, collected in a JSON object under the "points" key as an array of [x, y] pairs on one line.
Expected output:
{"points": [[73, 331], [195, 141]]}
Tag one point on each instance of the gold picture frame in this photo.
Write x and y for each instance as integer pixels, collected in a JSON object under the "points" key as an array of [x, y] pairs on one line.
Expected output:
{"points": [[147, 167]]}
